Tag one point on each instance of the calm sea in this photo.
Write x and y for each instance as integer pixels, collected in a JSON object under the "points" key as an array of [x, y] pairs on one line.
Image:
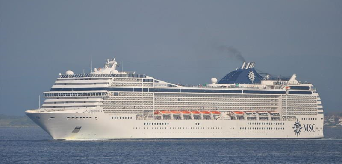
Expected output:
{"points": [[33, 145]]}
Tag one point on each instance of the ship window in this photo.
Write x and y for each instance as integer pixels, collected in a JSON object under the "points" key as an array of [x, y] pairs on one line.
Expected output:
{"points": [[300, 87], [300, 92], [264, 92]]}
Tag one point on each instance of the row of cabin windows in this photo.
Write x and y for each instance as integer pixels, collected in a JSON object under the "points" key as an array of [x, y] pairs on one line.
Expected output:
{"points": [[179, 128], [158, 123], [122, 118], [75, 94], [265, 123], [261, 128], [79, 117], [103, 75], [81, 83], [309, 118], [148, 123]]}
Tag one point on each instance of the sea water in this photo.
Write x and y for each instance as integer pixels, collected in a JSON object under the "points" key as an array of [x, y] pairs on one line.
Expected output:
{"points": [[33, 145]]}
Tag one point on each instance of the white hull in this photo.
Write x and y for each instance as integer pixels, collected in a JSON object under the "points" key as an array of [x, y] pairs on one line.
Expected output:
{"points": [[108, 104], [103, 127]]}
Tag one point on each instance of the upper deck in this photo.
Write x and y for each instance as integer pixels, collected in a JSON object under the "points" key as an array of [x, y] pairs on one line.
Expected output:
{"points": [[244, 80]]}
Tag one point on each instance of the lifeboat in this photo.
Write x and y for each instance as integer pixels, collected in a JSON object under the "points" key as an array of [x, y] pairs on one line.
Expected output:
{"points": [[157, 112], [195, 112], [165, 112], [185, 112], [205, 112], [175, 112], [215, 112], [238, 112]]}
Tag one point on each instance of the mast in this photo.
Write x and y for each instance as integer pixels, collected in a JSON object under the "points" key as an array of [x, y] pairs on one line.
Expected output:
{"points": [[39, 102], [91, 64]]}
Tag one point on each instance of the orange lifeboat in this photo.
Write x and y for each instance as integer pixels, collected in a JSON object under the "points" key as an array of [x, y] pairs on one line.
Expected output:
{"points": [[195, 112], [165, 112], [215, 112], [185, 112], [175, 112], [238, 112], [205, 112], [157, 112]]}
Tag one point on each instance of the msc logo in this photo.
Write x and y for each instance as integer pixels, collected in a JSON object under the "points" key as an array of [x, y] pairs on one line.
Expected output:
{"points": [[309, 127], [297, 127]]}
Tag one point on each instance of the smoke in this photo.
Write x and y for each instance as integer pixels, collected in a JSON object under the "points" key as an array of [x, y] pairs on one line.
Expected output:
{"points": [[232, 52]]}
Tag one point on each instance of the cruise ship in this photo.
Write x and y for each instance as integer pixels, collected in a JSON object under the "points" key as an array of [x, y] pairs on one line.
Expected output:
{"points": [[111, 104]]}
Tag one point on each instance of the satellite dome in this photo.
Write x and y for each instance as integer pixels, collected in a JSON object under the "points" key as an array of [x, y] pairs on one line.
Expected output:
{"points": [[69, 72], [213, 80]]}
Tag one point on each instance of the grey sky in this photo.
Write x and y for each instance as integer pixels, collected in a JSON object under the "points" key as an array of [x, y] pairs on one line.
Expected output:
{"points": [[176, 41]]}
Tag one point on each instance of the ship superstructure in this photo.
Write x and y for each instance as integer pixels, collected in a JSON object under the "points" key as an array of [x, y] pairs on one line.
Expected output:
{"points": [[109, 104]]}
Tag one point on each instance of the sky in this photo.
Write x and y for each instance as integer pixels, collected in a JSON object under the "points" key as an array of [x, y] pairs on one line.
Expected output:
{"points": [[179, 41]]}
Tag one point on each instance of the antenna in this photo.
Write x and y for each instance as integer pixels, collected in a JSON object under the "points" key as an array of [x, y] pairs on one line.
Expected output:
{"points": [[122, 66], [39, 102], [91, 63]]}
